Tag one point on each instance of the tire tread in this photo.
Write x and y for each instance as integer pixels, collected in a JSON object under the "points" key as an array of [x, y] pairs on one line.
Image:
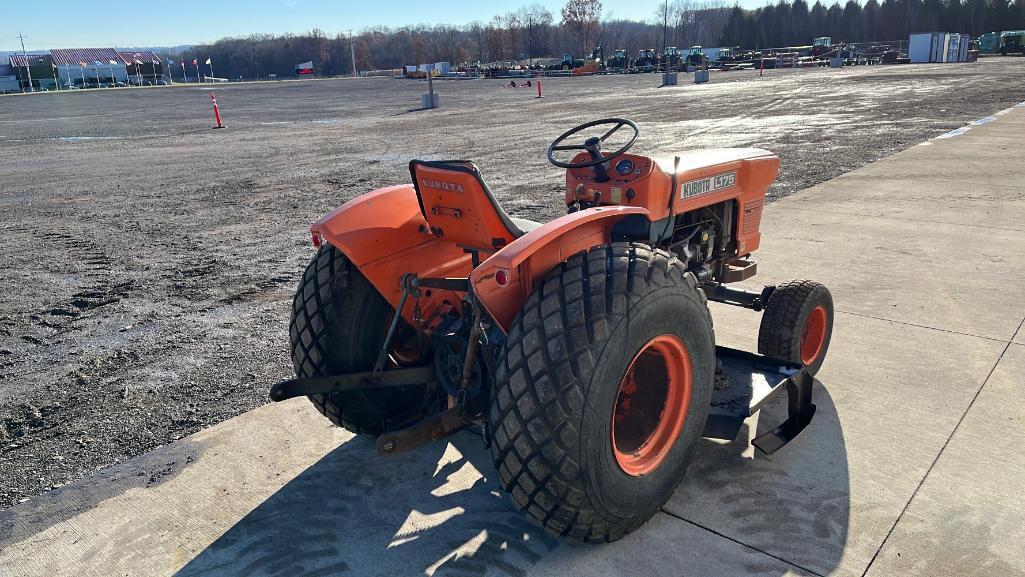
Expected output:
{"points": [[538, 406]]}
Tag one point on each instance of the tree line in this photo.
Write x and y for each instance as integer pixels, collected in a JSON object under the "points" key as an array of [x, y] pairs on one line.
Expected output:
{"points": [[795, 23], [535, 32]]}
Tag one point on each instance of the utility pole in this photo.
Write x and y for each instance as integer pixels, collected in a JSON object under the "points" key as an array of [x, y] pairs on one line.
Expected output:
{"points": [[352, 50], [665, 36], [24, 55], [530, 39]]}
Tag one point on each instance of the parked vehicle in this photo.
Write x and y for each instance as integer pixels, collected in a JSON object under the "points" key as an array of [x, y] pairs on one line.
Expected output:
{"points": [[582, 348], [1012, 42]]}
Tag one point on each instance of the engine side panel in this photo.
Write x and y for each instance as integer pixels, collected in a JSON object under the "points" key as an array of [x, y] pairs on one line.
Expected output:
{"points": [[703, 178]]}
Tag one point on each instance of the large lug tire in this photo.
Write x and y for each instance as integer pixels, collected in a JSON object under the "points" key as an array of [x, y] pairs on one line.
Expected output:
{"points": [[339, 322], [578, 436], [797, 323]]}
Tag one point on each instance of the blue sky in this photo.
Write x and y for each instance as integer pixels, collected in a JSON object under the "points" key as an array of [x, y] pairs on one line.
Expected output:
{"points": [[76, 24]]}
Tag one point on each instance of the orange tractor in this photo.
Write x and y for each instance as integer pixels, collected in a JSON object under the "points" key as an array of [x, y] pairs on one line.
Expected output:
{"points": [[581, 348]]}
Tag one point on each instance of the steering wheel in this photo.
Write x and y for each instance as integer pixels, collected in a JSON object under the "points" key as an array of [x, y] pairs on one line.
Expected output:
{"points": [[592, 145]]}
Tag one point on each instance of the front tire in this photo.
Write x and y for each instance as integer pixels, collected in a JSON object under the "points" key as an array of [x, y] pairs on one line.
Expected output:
{"points": [[580, 458], [797, 324]]}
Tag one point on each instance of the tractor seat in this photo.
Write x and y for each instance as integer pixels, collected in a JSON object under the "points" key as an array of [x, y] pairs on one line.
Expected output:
{"points": [[459, 206]]}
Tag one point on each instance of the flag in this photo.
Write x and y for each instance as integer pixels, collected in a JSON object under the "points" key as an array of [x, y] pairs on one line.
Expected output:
{"points": [[208, 61]]}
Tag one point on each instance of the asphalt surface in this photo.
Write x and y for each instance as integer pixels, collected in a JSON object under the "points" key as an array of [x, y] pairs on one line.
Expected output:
{"points": [[148, 262]]}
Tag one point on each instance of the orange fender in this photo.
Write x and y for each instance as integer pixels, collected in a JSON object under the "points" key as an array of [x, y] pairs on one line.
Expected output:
{"points": [[526, 260], [384, 233]]}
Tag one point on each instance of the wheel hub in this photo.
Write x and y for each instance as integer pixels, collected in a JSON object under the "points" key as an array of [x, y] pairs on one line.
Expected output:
{"points": [[651, 405], [814, 335]]}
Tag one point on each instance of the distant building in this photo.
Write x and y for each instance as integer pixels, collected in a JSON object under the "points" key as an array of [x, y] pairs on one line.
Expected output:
{"points": [[66, 67], [39, 67], [144, 65], [8, 80], [77, 66]]}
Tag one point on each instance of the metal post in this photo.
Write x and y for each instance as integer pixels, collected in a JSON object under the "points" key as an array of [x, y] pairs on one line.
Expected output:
{"points": [[665, 38], [530, 39], [28, 69], [352, 51], [430, 84]]}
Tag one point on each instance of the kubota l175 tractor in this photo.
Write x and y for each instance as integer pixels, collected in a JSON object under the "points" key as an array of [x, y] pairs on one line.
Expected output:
{"points": [[581, 349]]}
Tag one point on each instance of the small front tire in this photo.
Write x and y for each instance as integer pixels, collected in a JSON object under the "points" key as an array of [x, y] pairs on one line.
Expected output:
{"points": [[797, 324]]}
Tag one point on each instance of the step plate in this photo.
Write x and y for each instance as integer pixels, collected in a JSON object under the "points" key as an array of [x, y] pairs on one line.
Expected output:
{"points": [[743, 384]]}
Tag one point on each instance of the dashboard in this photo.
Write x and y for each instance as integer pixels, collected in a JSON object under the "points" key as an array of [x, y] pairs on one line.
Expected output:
{"points": [[624, 171]]}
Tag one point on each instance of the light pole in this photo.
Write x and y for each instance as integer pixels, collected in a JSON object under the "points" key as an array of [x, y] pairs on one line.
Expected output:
{"points": [[665, 33], [352, 51], [530, 39], [28, 69]]}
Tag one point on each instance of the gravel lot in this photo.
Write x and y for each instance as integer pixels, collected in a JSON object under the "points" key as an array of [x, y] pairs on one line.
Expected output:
{"points": [[148, 262]]}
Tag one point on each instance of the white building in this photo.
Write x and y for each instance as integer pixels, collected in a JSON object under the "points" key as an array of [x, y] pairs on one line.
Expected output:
{"points": [[78, 65], [8, 80]]}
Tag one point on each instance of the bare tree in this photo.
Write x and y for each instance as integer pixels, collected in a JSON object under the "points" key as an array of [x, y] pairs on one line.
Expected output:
{"points": [[581, 18]]}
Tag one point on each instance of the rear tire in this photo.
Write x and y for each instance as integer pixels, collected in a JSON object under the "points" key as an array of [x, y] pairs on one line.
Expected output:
{"points": [[797, 324], [338, 326], [556, 404]]}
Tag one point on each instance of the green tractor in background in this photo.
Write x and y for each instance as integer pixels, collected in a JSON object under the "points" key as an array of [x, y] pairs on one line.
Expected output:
{"points": [[989, 43], [1012, 42], [697, 58], [647, 60], [568, 63], [671, 57], [620, 61]]}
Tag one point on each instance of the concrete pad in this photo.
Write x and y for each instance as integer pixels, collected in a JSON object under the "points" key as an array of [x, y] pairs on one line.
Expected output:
{"points": [[927, 274], [992, 206], [966, 519], [974, 183], [928, 236], [279, 491], [826, 501]]}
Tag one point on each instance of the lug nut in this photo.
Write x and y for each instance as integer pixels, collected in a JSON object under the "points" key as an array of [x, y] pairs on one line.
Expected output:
{"points": [[388, 446]]}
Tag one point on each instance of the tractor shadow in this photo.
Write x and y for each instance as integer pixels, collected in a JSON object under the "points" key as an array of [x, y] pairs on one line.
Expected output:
{"points": [[440, 510]]}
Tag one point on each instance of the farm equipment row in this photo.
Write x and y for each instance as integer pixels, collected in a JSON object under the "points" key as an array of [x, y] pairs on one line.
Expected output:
{"points": [[673, 59]]}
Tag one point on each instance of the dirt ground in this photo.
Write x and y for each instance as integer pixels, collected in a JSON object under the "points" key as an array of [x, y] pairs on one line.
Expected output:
{"points": [[148, 262]]}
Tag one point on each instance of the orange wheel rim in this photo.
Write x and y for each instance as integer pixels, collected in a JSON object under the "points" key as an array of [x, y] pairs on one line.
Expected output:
{"points": [[814, 335], [651, 405]]}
